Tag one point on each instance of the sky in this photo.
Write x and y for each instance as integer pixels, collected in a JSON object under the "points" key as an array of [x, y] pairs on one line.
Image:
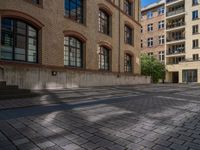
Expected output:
{"points": [[147, 2]]}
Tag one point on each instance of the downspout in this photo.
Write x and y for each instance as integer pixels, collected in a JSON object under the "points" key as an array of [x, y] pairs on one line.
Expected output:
{"points": [[119, 53]]}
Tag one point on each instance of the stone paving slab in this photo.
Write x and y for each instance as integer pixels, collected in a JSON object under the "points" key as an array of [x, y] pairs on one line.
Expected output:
{"points": [[143, 120]]}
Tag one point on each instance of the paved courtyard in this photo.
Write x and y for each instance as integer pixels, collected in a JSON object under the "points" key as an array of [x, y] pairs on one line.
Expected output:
{"points": [[157, 117]]}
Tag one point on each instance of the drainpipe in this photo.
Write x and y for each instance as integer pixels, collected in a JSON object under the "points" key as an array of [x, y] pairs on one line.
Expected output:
{"points": [[119, 53]]}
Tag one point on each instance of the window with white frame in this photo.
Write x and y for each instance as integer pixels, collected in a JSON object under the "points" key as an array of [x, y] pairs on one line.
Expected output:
{"points": [[150, 27], [149, 15], [150, 42], [161, 10], [161, 24], [161, 39], [161, 55]]}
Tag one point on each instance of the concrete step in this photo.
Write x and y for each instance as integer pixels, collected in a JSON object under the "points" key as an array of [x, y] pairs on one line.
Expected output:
{"points": [[17, 96], [13, 91], [7, 87], [2, 84]]}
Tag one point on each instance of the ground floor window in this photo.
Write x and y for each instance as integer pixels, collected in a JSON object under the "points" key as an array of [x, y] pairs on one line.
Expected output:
{"points": [[73, 52], [19, 41], [128, 63], [103, 58], [189, 75]]}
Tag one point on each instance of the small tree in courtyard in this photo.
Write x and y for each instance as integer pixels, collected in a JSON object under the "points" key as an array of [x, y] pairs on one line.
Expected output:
{"points": [[150, 66]]}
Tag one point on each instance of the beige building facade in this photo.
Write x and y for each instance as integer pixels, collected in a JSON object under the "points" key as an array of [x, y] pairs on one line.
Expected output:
{"points": [[65, 43], [182, 41], [153, 30]]}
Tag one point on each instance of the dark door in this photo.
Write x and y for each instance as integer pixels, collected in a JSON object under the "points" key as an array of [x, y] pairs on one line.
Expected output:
{"points": [[175, 77]]}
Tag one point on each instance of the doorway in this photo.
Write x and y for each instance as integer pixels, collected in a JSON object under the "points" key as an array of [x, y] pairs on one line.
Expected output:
{"points": [[175, 77]]}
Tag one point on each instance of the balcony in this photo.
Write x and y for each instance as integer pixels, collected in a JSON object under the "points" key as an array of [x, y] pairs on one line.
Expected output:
{"points": [[171, 2], [176, 60], [175, 12], [173, 39], [175, 24], [177, 51]]}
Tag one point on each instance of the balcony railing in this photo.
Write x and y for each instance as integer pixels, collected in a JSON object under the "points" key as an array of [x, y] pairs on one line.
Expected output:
{"points": [[170, 1], [175, 38], [175, 24], [180, 50], [171, 13]]}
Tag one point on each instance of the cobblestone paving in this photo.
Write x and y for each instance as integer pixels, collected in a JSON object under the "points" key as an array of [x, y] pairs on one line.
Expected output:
{"points": [[111, 118]]}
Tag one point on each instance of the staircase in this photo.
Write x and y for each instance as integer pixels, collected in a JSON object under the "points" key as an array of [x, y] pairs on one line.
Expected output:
{"points": [[13, 92]]}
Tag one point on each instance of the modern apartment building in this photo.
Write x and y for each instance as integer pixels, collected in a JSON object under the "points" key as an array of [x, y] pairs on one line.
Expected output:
{"points": [[153, 30], [70, 43], [182, 41]]}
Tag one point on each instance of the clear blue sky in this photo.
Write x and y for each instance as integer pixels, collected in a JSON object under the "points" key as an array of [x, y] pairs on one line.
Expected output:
{"points": [[147, 2]]}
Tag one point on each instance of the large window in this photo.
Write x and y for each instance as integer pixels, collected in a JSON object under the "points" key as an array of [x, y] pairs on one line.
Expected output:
{"points": [[128, 63], [128, 35], [103, 22], [74, 10], [128, 7], [73, 52], [189, 75], [103, 58], [19, 41]]}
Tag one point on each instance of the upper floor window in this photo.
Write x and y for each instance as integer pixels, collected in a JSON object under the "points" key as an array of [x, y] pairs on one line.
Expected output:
{"points": [[161, 24], [128, 63], [195, 43], [161, 55], [73, 52], [104, 22], [161, 39], [195, 29], [128, 7], [149, 15], [150, 27], [150, 42], [161, 10], [128, 35], [19, 41], [74, 10], [195, 57], [103, 58], [36, 2], [195, 2], [195, 15]]}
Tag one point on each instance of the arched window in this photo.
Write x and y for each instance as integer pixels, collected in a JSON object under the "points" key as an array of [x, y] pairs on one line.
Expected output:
{"points": [[19, 41], [104, 22], [73, 52], [128, 63], [103, 58], [74, 9]]}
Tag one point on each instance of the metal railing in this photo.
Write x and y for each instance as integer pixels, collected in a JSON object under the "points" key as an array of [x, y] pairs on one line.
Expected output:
{"points": [[171, 13], [175, 25], [175, 39], [176, 51]]}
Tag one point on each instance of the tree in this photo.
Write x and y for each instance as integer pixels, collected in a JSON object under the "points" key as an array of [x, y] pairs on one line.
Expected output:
{"points": [[150, 66]]}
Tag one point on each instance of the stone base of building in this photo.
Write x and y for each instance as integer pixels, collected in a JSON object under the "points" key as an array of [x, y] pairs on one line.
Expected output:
{"points": [[27, 77]]}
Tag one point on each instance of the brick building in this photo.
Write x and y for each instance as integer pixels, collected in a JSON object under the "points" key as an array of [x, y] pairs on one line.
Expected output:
{"points": [[153, 30], [70, 43]]}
